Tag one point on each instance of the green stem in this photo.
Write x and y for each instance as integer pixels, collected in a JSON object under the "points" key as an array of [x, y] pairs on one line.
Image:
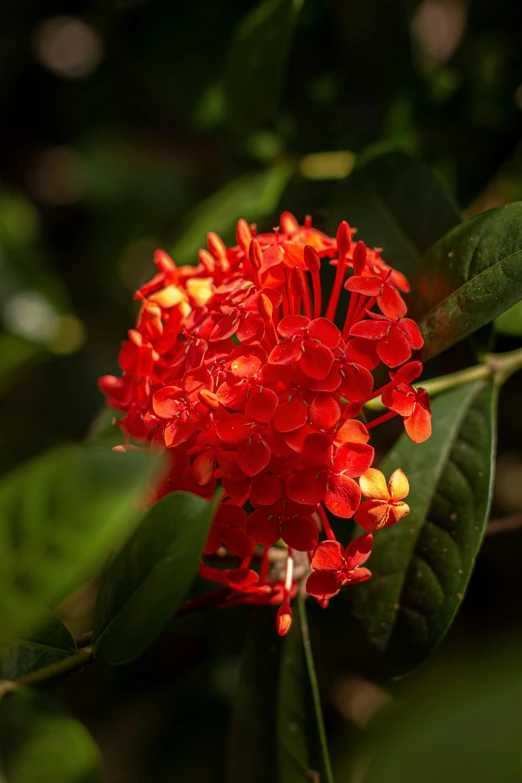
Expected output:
{"points": [[54, 670], [314, 686], [500, 365]]}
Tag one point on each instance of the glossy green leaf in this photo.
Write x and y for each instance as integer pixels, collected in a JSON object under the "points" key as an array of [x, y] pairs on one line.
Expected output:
{"points": [[396, 203], [40, 743], [302, 748], [252, 753], [147, 580], [469, 277], [422, 565], [48, 642], [253, 197], [462, 724], [60, 517], [510, 322], [257, 61]]}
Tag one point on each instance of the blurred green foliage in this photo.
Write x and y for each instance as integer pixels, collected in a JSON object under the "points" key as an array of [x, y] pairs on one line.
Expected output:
{"points": [[117, 138]]}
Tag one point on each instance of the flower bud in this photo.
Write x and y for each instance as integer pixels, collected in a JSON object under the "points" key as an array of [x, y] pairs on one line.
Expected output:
{"points": [[344, 238], [243, 235], [312, 260], [359, 257], [288, 223], [216, 246], [255, 254], [284, 619], [265, 308]]}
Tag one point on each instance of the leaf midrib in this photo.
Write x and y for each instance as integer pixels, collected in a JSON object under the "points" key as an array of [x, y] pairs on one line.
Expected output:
{"points": [[478, 385]]}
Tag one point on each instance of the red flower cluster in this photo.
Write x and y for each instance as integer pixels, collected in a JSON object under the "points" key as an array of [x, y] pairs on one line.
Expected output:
{"points": [[235, 371]]}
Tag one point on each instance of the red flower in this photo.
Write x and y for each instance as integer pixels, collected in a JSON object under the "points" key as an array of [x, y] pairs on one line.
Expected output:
{"points": [[414, 406], [333, 567], [228, 530], [308, 344], [284, 519], [384, 506], [396, 337], [237, 369]]}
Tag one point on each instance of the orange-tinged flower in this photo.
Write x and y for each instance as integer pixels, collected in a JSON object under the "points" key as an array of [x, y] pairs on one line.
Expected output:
{"points": [[384, 506]]}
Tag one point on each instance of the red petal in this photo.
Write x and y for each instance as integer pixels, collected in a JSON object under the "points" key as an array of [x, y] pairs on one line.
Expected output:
{"points": [[225, 327], [316, 359], [285, 353], [359, 575], [234, 428], [358, 551], [370, 330], [372, 515], [357, 383], [262, 529], [266, 490], [407, 373], [362, 352], [237, 542], [343, 496], [317, 450], [166, 403], [412, 333], [353, 459], [394, 349], [233, 396], [294, 255], [238, 578], [418, 425], [328, 556], [261, 404], [323, 585], [251, 329], [401, 400], [363, 284], [293, 326], [352, 431], [290, 415], [253, 457], [178, 431], [213, 542], [245, 366], [391, 302], [325, 331], [325, 412], [307, 486], [300, 533]]}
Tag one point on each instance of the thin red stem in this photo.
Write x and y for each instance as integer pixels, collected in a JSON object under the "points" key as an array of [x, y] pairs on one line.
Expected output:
{"points": [[349, 314], [336, 291], [307, 300], [326, 524], [318, 294], [381, 419]]}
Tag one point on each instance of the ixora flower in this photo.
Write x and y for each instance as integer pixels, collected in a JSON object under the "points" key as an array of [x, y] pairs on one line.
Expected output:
{"points": [[249, 378]]}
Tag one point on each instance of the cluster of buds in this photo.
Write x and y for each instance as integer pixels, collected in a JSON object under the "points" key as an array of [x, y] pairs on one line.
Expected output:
{"points": [[249, 377]]}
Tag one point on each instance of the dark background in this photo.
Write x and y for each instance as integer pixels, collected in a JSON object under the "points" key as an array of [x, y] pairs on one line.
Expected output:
{"points": [[113, 133]]}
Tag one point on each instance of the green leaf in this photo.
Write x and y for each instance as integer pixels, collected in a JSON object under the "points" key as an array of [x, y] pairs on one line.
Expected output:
{"points": [[252, 748], [60, 516], [48, 642], [422, 565], [39, 742], [147, 580], [396, 203], [302, 747], [469, 277], [253, 196], [257, 61], [510, 322], [462, 724]]}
